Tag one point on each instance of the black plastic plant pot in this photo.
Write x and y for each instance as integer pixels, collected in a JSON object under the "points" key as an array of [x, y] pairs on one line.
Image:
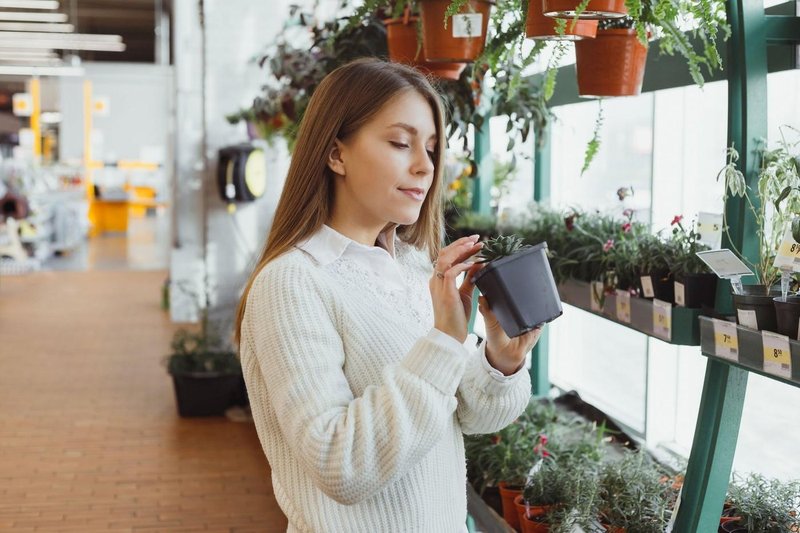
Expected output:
{"points": [[206, 394], [755, 308], [699, 290], [662, 283], [521, 290], [787, 315]]}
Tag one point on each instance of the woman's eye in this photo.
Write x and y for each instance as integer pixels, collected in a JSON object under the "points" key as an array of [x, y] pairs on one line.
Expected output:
{"points": [[398, 144], [431, 154]]}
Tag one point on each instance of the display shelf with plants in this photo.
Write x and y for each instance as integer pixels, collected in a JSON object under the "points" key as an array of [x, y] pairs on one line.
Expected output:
{"points": [[672, 324], [750, 352]]}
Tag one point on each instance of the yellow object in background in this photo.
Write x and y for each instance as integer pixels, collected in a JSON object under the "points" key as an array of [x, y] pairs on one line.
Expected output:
{"points": [[111, 216]]}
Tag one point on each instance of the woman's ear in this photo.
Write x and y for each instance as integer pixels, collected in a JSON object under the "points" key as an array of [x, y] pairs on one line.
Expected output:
{"points": [[335, 161]]}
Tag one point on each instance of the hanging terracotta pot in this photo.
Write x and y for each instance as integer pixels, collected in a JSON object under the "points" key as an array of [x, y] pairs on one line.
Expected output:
{"points": [[595, 10], [537, 26], [401, 35], [612, 64], [465, 35]]}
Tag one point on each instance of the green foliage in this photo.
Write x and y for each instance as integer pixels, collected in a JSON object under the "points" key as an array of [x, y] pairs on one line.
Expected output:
{"points": [[196, 352], [778, 195], [594, 144], [682, 250], [501, 246], [765, 505], [636, 494]]}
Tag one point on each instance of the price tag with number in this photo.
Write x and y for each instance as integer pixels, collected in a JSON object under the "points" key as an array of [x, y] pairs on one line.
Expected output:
{"points": [[680, 294], [788, 256], [777, 354], [662, 319], [623, 306], [726, 339], [647, 287]]}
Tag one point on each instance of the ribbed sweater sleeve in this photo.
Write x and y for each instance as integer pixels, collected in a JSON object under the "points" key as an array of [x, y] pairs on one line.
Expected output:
{"points": [[351, 447], [487, 404]]}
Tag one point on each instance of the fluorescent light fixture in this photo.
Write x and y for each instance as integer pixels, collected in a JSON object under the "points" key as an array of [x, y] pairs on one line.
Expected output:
{"points": [[38, 61], [25, 36], [29, 4], [24, 16], [62, 41], [33, 26], [66, 45], [8, 70], [10, 53]]}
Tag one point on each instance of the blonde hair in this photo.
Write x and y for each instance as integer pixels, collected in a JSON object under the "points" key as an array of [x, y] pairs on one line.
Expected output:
{"points": [[344, 101]]}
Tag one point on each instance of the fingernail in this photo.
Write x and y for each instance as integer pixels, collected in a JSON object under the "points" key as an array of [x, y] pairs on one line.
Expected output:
{"points": [[475, 237]]}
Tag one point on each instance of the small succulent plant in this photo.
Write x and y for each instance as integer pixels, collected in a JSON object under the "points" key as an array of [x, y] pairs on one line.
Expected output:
{"points": [[501, 246]]}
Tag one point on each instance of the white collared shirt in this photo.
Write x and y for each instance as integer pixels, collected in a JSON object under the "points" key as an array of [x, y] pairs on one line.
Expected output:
{"points": [[327, 245]]}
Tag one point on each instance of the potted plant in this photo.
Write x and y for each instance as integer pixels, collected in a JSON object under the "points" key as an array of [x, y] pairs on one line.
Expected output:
{"points": [[539, 26], [695, 285], [777, 182], [611, 64], [655, 278], [518, 284], [585, 9], [404, 43], [206, 374], [633, 495], [765, 505], [454, 31]]}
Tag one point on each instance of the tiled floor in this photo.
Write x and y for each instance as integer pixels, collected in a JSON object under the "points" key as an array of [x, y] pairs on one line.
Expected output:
{"points": [[89, 435]]}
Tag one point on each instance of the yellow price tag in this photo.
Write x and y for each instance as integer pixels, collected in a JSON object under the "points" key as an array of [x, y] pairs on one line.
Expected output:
{"points": [[788, 256], [726, 339], [662, 319], [623, 306], [777, 354]]}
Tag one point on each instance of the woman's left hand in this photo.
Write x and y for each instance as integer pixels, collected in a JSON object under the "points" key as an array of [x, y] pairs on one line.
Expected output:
{"points": [[503, 353]]}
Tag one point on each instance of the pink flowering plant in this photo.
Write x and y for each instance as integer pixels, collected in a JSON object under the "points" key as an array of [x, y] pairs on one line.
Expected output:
{"points": [[683, 247]]}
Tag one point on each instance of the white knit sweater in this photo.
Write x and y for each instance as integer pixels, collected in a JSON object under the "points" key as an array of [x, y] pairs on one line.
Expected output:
{"points": [[359, 404]]}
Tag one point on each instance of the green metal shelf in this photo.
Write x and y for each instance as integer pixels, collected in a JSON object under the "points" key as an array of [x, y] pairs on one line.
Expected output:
{"points": [[750, 353], [685, 328]]}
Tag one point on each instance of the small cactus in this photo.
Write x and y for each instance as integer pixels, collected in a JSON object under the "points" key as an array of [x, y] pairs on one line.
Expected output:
{"points": [[501, 246]]}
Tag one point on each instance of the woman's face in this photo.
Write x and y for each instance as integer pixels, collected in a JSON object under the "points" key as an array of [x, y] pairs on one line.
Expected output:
{"points": [[385, 169]]}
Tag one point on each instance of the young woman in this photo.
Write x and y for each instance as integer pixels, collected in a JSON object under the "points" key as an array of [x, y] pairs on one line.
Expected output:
{"points": [[352, 327]]}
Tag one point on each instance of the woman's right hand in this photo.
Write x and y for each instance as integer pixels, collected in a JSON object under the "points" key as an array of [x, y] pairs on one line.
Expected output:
{"points": [[452, 305]]}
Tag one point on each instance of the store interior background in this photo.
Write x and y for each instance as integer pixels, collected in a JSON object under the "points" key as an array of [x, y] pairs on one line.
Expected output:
{"points": [[162, 103]]}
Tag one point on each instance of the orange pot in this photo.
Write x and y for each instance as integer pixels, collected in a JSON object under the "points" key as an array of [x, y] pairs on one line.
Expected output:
{"points": [[507, 496], [531, 526], [595, 10], [524, 509], [537, 26], [612, 64], [614, 529], [403, 48], [458, 42]]}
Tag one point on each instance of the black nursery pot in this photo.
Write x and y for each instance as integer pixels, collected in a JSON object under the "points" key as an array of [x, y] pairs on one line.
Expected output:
{"points": [[787, 315], [699, 290], [521, 290], [207, 394], [757, 298], [663, 285]]}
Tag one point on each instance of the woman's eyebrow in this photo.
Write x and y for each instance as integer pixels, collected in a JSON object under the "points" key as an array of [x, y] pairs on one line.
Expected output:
{"points": [[409, 128]]}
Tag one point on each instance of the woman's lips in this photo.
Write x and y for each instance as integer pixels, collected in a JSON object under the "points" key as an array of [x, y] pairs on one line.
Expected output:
{"points": [[416, 194]]}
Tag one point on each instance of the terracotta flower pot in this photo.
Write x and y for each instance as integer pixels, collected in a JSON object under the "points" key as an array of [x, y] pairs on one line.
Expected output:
{"points": [[403, 48], [531, 524], [458, 42], [596, 10], [524, 509], [537, 26], [507, 494], [612, 64]]}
